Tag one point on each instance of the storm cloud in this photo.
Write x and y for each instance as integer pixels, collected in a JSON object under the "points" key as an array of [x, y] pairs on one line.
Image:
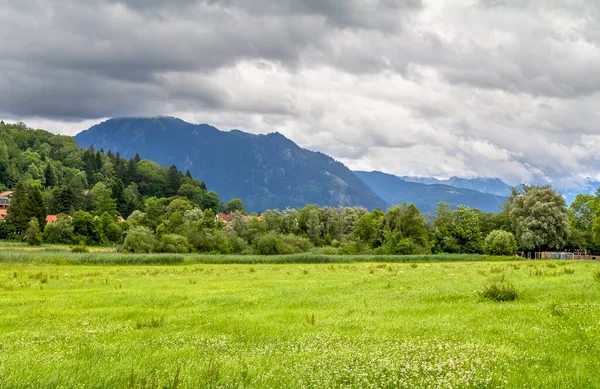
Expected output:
{"points": [[489, 88]]}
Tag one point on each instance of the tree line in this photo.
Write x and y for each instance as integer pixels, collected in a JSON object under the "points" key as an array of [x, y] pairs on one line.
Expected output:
{"points": [[168, 211]]}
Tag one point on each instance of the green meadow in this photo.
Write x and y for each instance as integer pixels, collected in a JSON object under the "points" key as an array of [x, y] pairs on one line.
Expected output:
{"points": [[65, 323]]}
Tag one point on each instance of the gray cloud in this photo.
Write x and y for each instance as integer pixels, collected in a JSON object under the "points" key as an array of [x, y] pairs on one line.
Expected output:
{"points": [[494, 88]]}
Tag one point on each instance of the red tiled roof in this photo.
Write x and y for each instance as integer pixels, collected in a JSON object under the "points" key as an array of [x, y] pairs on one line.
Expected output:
{"points": [[3, 213], [6, 194], [50, 219], [226, 217]]}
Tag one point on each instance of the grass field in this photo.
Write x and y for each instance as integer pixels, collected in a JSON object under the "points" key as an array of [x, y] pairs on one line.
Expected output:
{"points": [[194, 325]]}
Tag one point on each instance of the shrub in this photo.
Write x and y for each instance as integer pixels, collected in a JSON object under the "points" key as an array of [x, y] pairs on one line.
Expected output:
{"points": [[172, 243], [86, 227], [292, 244], [80, 248], [139, 240], [350, 247], [267, 244], [59, 232], [237, 244], [500, 292], [500, 242], [273, 243], [33, 237]]}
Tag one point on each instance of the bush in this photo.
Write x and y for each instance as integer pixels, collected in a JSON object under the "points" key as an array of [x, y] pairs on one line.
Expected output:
{"points": [[267, 244], [172, 243], [294, 244], [59, 232], [139, 240], [238, 245], [273, 243], [500, 292], [33, 237], [80, 248], [86, 227], [500, 242], [350, 247]]}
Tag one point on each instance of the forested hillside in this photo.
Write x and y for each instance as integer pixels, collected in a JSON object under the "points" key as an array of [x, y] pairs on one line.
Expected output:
{"points": [[52, 175], [265, 171]]}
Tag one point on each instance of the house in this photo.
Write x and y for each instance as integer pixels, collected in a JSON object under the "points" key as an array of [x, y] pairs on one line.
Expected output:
{"points": [[50, 219], [228, 217], [225, 217], [7, 194], [3, 213], [5, 198]]}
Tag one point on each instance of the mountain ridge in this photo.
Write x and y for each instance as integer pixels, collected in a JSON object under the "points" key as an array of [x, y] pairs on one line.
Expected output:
{"points": [[426, 197], [485, 185], [266, 171]]}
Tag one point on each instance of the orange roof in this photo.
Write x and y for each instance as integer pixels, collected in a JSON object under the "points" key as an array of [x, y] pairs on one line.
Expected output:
{"points": [[226, 217], [50, 218], [3, 213], [6, 194]]}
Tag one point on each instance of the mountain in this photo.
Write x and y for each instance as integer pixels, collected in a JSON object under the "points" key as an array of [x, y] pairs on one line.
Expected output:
{"points": [[486, 185], [589, 186], [426, 197], [265, 171]]}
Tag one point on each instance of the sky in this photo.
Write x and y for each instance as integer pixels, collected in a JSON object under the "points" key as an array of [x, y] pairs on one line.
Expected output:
{"points": [[478, 88]]}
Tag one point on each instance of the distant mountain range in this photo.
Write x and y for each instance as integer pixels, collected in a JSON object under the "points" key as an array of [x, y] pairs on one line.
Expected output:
{"points": [[270, 171], [426, 196], [486, 185], [265, 171], [589, 186]]}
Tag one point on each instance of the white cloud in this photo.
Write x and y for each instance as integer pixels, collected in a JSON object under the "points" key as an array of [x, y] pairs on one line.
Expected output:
{"points": [[488, 88]]}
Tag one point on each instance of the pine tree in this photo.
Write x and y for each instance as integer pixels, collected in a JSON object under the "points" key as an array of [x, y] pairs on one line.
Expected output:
{"points": [[132, 172], [66, 199], [173, 181], [188, 174], [50, 176], [117, 192], [17, 217], [137, 158], [35, 207]]}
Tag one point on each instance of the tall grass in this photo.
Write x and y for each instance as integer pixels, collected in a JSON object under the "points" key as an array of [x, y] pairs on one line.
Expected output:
{"points": [[104, 258]]}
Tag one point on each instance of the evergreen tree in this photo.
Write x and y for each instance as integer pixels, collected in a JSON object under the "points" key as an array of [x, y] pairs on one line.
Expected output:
{"points": [[117, 193], [35, 207], [26, 203], [188, 174], [132, 172], [50, 176], [17, 218], [173, 181]]}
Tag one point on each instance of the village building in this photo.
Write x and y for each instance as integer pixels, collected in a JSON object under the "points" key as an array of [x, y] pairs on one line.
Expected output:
{"points": [[5, 198]]}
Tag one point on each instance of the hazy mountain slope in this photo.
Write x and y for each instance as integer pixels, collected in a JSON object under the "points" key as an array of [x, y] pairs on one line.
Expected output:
{"points": [[485, 185], [265, 171], [394, 190]]}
